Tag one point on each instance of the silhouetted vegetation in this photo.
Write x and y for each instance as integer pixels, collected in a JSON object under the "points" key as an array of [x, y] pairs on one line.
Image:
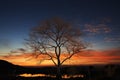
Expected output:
{"points": [[9, 71]]}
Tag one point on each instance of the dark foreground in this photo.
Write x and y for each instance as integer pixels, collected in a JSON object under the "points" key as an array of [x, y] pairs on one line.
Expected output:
{"points": [[37, 78], [9, 71]]}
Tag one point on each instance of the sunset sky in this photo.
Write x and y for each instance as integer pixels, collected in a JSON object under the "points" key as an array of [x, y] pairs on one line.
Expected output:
{"points": [[99, 20]]}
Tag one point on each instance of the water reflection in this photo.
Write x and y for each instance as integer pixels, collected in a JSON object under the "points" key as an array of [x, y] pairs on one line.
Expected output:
{"points": [[35, 75], [53, 76], [73, 76]]}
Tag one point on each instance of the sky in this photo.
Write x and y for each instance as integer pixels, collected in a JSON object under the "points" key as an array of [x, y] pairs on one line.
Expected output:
{"points": [[98, 19]]}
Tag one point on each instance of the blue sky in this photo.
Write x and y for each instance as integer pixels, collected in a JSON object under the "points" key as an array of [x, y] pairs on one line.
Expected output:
{"points": [[17, 17]]}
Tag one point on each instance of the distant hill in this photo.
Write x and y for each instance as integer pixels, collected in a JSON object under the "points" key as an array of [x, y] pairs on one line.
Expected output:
{"points": [[9, 68]]}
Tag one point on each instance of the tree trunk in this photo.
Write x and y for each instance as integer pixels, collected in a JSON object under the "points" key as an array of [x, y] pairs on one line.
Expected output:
{"points": [[58, 75]]}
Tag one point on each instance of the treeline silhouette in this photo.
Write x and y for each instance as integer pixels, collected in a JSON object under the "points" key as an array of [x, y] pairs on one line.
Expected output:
{"points": [[9, 71]]}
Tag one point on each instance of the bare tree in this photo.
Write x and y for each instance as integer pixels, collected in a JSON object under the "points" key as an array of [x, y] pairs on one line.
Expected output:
{"points": [[54, 37]]}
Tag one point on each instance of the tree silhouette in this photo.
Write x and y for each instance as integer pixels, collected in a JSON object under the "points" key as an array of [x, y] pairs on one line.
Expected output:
{"points": [[53, 38]]}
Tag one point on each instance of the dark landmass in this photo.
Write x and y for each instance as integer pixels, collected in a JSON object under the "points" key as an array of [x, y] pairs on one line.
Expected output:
{"points": [[9, 71]]}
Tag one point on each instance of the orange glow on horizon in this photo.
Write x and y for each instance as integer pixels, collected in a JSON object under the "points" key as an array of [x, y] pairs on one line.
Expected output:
{"points": [[83, 58]]}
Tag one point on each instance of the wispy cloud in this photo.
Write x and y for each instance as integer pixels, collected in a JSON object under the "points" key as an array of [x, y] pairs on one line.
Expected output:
{"points": [[112, 39], [95, 29]]}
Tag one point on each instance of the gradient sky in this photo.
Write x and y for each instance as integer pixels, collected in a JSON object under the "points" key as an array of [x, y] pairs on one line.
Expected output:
{"points": [[98, 19]]}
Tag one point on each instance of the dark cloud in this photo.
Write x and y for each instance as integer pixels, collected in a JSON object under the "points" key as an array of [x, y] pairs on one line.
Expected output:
{"points": [[103, 20], [87, 53], [19, 50]]}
